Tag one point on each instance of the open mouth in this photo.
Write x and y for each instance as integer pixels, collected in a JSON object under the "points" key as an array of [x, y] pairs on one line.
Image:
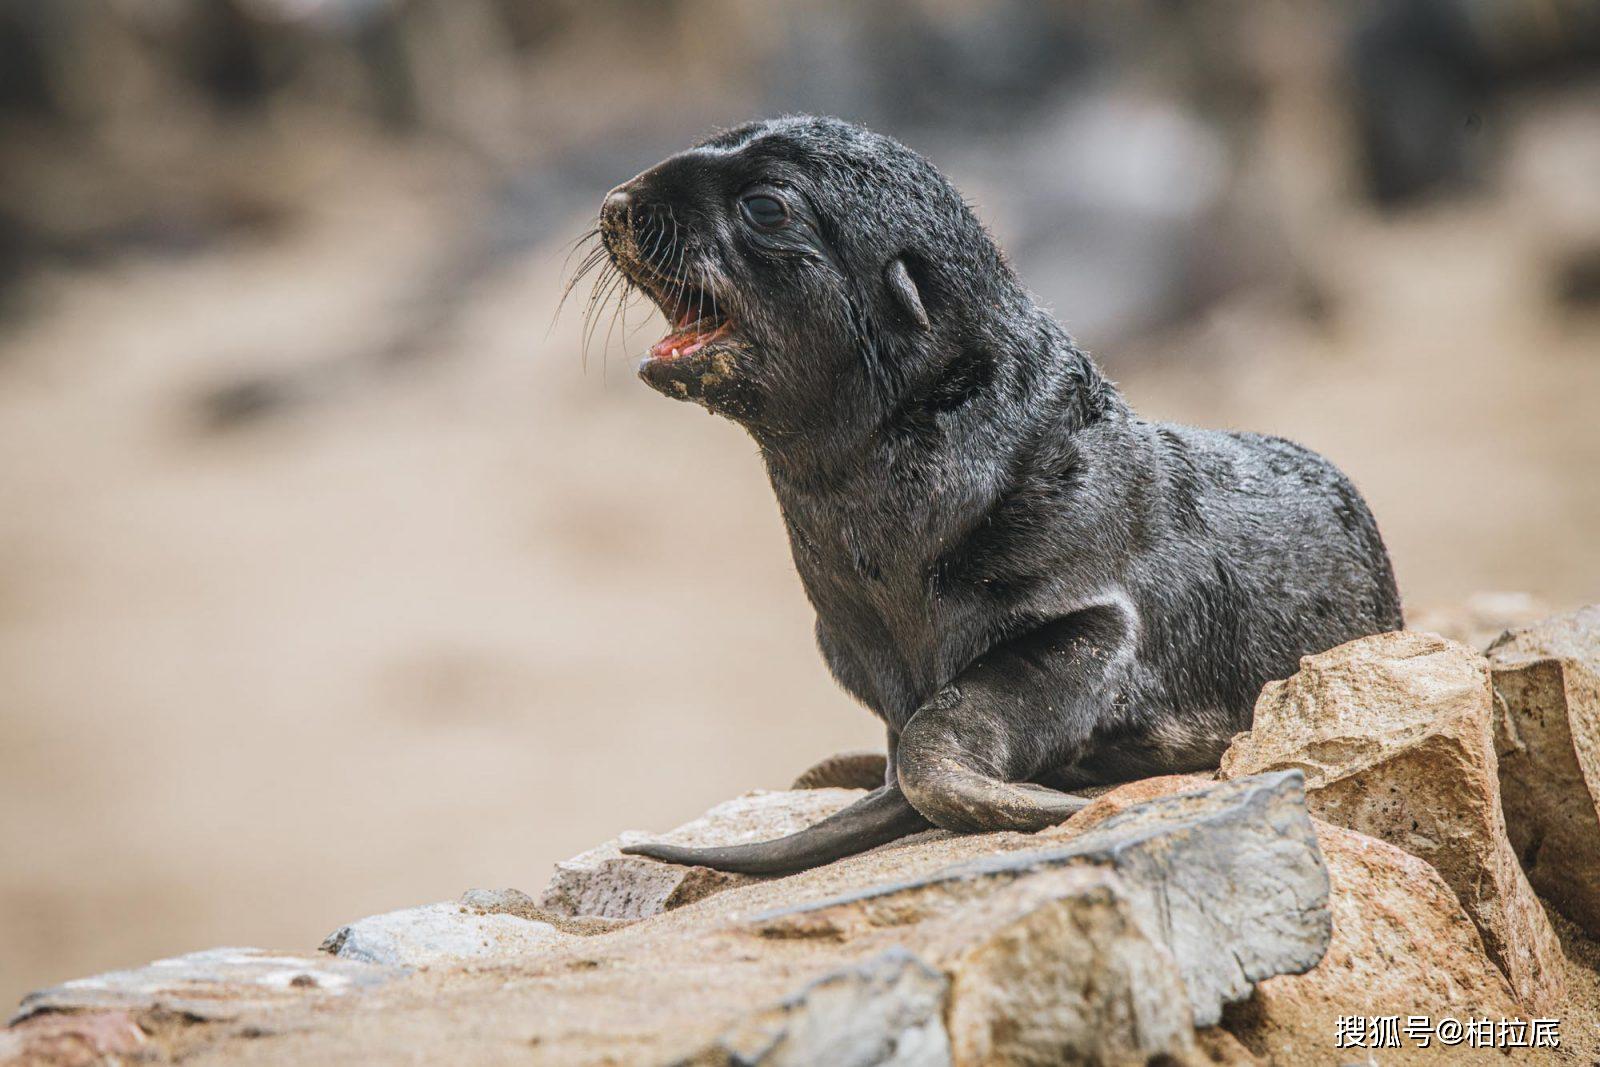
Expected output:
{"points": [[697, 324], [700, 358]]}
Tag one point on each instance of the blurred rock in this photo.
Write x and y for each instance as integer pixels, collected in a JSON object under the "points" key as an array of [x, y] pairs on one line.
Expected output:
{"points": [[505, 901], [1393, 734], [78, 1039], [604, 883], [1479, 619], [218, 983], [1547, 739], [1104, 204], [885, 1011], [439, 933]]}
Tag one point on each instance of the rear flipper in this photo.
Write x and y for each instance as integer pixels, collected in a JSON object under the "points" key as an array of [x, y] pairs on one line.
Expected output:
{"points": [[845, 770], [881, 816]]}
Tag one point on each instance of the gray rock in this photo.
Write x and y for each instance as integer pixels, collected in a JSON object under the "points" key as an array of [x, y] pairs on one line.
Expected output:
{"points": [[218, 983], [506, 901], [884, 1012], [604, 883], [440, 933], [1229, 879]]}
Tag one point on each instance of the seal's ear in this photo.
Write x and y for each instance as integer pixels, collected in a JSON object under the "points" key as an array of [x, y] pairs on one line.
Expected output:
{"points": [[905, 291]]}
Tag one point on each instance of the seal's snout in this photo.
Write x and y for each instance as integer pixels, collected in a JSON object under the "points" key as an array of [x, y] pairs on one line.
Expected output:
{"points": [[652, 227], [617, 202], [617, 209], [616, 222]]}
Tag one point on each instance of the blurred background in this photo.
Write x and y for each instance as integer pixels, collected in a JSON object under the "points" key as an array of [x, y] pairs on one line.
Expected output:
{"points": [[335, 577]]}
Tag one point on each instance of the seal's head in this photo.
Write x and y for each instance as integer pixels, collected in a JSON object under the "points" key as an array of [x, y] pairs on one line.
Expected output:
{"points": [[811, 272]]}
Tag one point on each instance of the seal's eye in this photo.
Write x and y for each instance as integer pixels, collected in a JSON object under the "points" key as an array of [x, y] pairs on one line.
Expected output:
{"points": [[764, 211]]}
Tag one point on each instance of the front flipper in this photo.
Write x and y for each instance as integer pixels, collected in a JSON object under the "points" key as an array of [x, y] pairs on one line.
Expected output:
{"points": [[971, 757], [881, 816]]}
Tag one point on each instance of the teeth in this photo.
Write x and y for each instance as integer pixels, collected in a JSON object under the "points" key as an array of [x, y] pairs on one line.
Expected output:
{"points": [[675, 353]]}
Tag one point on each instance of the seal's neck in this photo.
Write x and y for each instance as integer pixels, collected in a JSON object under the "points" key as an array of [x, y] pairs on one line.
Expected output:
{"points": [[917, 459]]}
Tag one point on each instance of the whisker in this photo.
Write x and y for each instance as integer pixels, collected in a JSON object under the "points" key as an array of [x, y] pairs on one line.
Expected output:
{"points": [[603, 284], [680, 269], [617, 280], [593, 258], [576, 243]]}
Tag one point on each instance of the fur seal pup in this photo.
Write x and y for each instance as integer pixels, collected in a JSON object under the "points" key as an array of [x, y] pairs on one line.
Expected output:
{"points": [[1034, 588]]}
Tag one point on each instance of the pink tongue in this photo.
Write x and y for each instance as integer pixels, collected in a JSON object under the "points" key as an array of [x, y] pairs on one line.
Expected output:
{"points": [[686, 343], [677, 344]]}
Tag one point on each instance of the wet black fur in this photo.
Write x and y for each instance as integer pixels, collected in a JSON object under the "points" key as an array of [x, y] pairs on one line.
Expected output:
{"points": [[976, 492]]}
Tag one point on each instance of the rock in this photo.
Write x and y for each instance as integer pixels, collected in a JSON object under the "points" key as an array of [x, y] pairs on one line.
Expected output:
{"points": [[1068, 977], [1393, 734], [604, 883], [72, 1040], [1217, 1047], [1122, 797], [217, 983], [1547, 737], [977, 949], [439, 933], [1049, 966], [1227, 879], [1401, 945], [1166, 903], [516, 902], [502, 902], [885, 1012], [1400, 942], [1480, 619]]}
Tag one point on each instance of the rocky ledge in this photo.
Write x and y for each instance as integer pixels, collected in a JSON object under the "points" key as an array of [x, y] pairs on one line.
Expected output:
{"points": [[1397, 864]]}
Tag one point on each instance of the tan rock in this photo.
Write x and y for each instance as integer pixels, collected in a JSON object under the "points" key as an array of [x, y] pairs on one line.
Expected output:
{"points": [[1547, 738], [1402, 945], [1393, 733], [1123, 797], [446, 932], [886, 1011], [604, 883], [1215, 1047], [79, 1039], [1068, 976], [216, 983], [1052, 968], [1228, 879], [967, 950], [1479, 619]]}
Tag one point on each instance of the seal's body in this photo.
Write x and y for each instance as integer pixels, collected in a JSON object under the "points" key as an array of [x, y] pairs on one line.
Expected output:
{"points": [[1033, 588]]}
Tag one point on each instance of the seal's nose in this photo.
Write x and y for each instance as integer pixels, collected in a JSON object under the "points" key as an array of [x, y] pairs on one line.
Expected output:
{"points": [[614, 211]]}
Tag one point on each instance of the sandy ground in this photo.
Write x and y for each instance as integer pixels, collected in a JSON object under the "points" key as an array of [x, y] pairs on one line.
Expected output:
{"points": [[448, 623]]}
